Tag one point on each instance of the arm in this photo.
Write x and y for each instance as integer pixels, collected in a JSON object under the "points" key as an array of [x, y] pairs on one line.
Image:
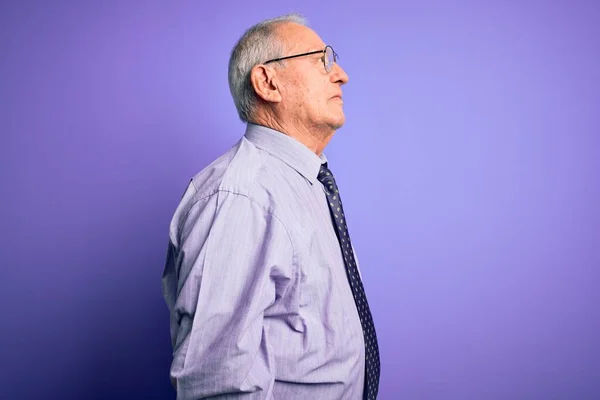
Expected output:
{"points": [[228, 261]]}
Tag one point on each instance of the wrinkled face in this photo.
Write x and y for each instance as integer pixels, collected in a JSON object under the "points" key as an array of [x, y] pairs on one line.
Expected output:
{"points": [[311, 96]]}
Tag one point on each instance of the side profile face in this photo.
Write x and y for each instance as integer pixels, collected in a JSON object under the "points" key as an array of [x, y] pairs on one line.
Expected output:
{"points": [[310, 96]]}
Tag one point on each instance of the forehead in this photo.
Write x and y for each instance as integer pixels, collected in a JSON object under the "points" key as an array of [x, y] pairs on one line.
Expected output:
{"points": [[299, 38]]}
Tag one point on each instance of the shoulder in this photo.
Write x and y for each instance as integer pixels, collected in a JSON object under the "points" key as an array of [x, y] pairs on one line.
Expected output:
{"points": [[241, 176], [233, 171]]}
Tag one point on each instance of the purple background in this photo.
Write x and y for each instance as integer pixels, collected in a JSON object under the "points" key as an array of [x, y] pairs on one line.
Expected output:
{"points": [[470, 167]]}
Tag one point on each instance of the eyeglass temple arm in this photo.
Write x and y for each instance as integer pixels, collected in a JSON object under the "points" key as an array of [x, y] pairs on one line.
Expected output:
{"points": [[295, 55]]}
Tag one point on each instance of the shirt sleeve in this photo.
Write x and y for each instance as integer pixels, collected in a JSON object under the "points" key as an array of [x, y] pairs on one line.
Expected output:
{"points": [[229, 260]]}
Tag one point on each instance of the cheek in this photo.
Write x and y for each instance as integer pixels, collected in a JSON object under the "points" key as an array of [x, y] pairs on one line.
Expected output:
{"points": [[316, 95], [309, 94], [309, 100]]}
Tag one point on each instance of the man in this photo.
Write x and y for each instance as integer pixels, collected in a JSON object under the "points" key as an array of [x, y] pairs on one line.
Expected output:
{"points": [[261, 280]]}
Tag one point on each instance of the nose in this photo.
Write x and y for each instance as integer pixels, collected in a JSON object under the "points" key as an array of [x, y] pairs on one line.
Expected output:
{"points": [[338, 75]]}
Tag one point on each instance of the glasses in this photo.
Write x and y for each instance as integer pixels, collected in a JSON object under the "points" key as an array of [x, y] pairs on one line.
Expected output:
{"points": [[329, 57]]}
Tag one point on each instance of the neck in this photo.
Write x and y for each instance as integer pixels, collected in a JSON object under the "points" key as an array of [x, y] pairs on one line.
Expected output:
{"points": [[315, 139]]}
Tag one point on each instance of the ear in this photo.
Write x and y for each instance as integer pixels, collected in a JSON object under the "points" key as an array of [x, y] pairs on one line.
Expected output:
{"points": [[264, 81]]}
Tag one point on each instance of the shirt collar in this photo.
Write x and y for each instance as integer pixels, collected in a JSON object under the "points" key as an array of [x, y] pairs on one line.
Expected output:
{"points": [[287, 149]]}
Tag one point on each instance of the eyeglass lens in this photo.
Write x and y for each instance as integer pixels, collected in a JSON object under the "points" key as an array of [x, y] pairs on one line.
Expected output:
{"points": [[329, 58]]}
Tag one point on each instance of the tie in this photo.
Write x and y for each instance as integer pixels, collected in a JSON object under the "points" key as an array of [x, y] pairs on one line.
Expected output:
{"points": [[372, 365]]}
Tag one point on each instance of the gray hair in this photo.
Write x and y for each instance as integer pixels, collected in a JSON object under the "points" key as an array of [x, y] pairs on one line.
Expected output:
{"points": [[258, 44]]}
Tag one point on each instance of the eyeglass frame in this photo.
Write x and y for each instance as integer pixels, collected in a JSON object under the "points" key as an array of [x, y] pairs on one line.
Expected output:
{"points": [[324, 51]]}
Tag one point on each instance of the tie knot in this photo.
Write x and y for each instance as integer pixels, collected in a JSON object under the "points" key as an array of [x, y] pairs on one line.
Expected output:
{"points": [[324, 173], [326, 178]]}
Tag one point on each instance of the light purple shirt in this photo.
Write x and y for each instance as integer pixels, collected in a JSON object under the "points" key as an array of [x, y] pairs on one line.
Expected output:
{"points": [[255, 280]]}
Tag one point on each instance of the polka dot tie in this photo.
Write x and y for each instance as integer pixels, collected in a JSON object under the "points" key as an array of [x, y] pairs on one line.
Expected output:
{"points": [[372, 364]]}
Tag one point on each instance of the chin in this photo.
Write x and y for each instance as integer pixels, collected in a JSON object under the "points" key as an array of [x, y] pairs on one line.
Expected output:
{"points": [[333, 120], [338, 122], [337, 125]]}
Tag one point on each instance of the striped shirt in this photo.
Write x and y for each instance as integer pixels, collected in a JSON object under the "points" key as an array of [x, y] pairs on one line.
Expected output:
{"points": [[255, 280]]}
